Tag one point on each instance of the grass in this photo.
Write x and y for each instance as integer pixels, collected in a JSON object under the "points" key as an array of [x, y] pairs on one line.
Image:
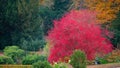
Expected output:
{"points": [[15, 66]]}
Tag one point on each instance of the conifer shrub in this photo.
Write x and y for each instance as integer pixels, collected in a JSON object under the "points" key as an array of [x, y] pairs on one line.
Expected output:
{"points": [[78, 59]]}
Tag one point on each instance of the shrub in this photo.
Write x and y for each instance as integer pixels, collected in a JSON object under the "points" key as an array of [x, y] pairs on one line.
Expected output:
{"points": [[6, 60], [113, 57], [101, 61], [77, 30], [78, 59], [15, 53], [42, 64], [30, 59], [60, 65]]}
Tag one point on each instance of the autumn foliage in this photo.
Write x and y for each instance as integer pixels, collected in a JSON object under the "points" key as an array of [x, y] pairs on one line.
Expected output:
{"points": [[106, 9], [77, 30]]}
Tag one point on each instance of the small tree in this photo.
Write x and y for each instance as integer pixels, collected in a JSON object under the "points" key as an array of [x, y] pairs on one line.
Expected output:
{"points": [[77, 30]]}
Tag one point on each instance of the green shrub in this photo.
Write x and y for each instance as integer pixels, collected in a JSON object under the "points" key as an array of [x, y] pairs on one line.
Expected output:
{"points": [[15, 53], [42, 64], [60, 65], [78, 59], [102, 60], [30, 59], [6, 60]]}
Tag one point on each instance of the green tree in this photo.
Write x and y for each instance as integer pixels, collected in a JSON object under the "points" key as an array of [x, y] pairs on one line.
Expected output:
{"points": [[8, 18], [19, 22], [115, 27], [56, 11], [31, 24]]}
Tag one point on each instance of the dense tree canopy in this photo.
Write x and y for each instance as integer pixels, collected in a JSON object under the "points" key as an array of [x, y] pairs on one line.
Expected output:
{"points": [[106, 9], [57, 9], [25, 22], [20, 23], [115, 27]]}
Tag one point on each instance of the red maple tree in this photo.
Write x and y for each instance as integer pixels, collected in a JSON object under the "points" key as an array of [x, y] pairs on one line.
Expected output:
{"points": [[77, 30]]}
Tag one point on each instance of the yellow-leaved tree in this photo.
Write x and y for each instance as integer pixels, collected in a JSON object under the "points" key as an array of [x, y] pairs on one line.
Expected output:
{"points": [[106, 9]]}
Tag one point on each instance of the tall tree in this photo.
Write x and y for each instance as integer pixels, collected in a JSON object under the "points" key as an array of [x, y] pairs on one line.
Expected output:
{"points": [[31, 24], [57, 9], [8, 18], [23, 22], [115, 27]]}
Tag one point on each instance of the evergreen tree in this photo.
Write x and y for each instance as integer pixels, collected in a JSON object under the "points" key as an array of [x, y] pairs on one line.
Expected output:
{"points": [[20, 24], [115, 27], [56, 11], [8, 20]]}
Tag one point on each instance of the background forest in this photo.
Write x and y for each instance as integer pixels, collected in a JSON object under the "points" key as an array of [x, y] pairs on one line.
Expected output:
{"points": [[25, 23], [35, 26]]}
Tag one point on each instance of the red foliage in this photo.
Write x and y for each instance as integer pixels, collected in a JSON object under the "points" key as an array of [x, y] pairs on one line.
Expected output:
{"points": [[76, 30]]}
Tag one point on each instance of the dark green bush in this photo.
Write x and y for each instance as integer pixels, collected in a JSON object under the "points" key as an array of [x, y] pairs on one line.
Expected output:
{"points": [[78, 59], [30, 59], [6, 60], [42, 64], [15, 53]]}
